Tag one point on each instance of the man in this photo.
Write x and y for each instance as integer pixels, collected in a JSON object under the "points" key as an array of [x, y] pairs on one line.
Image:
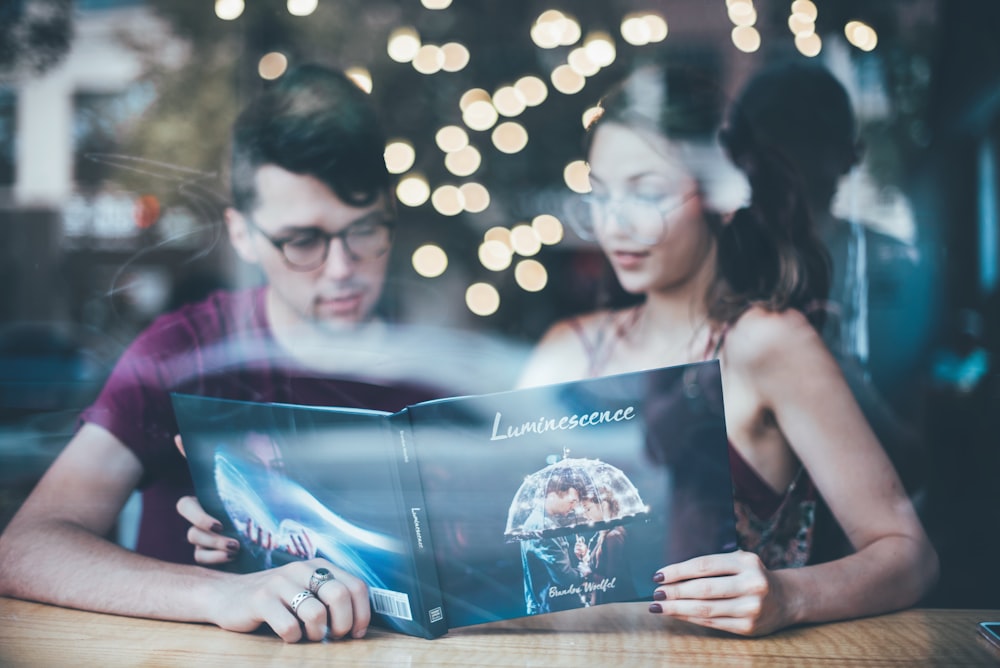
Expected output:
{"points": [[311, 208]]}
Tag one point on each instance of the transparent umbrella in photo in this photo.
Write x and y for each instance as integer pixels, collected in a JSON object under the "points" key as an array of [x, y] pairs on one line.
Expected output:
{"points": [[606, 498]]}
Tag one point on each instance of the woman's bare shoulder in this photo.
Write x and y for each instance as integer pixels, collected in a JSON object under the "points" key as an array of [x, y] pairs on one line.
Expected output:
{"points": [[587, 325], [562, 352], [761, 336]]}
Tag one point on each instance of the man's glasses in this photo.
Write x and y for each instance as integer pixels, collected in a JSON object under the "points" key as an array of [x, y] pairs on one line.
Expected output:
{"points": [[308, 248], [643, 219]]}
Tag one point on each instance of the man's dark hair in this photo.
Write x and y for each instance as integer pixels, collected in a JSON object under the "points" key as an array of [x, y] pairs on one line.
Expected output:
{"points": [[565, 478], [314, 121]]}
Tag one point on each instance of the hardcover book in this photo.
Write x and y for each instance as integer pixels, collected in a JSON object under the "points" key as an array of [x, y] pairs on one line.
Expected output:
{"points": [[478, 508]]}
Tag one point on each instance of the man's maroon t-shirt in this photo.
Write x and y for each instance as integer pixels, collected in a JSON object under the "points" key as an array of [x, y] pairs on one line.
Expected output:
{"points": [[221, 347]]}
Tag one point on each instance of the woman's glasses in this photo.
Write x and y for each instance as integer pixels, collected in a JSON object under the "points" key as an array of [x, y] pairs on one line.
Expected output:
{"points": [[641, 218]]}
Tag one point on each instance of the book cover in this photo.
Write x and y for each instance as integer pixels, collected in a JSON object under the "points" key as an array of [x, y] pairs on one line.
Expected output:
{"points": [[478, 508], [294, 482], [572, 495]]}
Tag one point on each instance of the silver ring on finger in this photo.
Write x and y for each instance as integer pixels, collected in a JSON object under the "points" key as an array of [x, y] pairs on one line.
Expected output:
{"points": [[298, 600], [319, 578]]}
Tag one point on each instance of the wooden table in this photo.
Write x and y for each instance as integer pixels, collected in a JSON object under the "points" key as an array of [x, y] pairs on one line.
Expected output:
{"points": [[620, 634]]}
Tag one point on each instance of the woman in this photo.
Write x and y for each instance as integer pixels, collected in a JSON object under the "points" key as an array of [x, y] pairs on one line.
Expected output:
{"points": [[743, 288]]}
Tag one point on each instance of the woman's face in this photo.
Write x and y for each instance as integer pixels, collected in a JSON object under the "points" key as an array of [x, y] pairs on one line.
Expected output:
{"points": [[645, 210]]}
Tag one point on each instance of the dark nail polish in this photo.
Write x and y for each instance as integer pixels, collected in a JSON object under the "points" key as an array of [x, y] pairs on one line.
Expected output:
{"points": [[217, 527], [232, 546], [655, 607], [659, 595], [657, 577]]}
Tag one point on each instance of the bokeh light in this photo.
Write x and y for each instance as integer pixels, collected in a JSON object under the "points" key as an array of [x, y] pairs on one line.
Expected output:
{"points": [[447, 200], [495, 255], [399, 156], [508, 101], [413, 190], [451, 138], [801, 24], [510, 137], [552, 28], [272, 65], [577, 176], [806, 8], [600, 48], [532, 89], [229, 10], [473, 95], [361, 76], [808, 45], [480, 115], [746, 38], [301, 7], [436, 4], [429, 260], [548, 228], [742, 13], [581, 62], [498, 233], [568, 81], [403, 44], [524, 240], [477, 197], [657, 26], [429, 59], [464, 161], [482, 299], [531, 275], [640, 28], [456, 57], [589, 115], [861, 35]]}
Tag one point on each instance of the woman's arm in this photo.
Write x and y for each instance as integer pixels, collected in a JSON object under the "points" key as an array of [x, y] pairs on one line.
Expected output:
{"points": [[780, 361], [894, 564]]}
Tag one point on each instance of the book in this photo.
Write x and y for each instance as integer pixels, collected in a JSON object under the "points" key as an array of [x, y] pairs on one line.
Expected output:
{"points": [[478, 508]]}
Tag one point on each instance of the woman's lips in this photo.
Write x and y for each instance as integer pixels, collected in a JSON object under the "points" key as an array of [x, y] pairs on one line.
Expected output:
{"points": [[628, 259]]}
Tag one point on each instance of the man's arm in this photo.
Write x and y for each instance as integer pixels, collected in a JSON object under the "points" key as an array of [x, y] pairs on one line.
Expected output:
{"points": [[555, 554], [54, 551]]}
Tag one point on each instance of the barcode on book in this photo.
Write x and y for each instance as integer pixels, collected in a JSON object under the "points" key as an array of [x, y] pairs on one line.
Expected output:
{"points": [[391, 603]]}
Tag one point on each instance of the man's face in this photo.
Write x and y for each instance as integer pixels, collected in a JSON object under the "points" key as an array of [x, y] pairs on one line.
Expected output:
{"points": [[559, 504], [342, 292]]}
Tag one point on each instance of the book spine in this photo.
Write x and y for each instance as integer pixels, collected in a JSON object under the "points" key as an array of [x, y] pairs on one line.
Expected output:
{"points": [[430, 603]]}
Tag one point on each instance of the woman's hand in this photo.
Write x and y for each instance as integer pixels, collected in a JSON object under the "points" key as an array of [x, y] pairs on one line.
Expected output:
{"points": [[296, 602], [732, 592], [210, 546]]}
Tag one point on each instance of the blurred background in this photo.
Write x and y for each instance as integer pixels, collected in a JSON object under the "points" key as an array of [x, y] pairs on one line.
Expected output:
{"points": [[114, 117]]}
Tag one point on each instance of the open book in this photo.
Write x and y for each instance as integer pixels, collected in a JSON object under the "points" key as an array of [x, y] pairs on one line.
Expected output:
{"points": [[472, 509]]}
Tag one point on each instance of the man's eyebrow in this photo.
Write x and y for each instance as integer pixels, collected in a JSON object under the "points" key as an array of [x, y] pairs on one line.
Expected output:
{"points": [[293, 228], [379, 216]]}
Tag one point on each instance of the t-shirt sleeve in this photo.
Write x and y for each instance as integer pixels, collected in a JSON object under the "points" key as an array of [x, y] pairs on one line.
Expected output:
{"points": [[135, 404]]}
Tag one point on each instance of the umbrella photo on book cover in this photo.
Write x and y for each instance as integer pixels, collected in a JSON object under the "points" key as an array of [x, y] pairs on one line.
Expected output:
{"points": [[604, 498]]}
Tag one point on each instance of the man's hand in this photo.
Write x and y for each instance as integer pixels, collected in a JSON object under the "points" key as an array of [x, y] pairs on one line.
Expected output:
{"points": [[335, 608]]}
